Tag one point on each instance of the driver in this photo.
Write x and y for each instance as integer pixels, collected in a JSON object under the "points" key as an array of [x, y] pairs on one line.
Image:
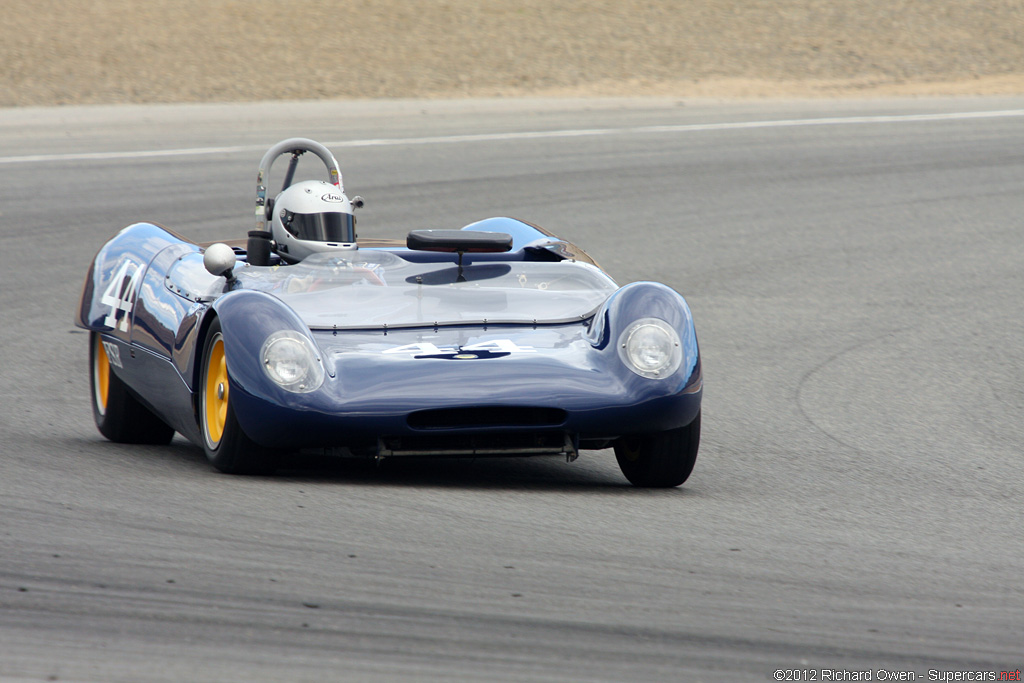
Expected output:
{"points": [[311, 217]]}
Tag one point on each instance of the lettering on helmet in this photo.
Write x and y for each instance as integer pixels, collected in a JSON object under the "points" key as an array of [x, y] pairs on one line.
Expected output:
{"points": [[333, 197]]}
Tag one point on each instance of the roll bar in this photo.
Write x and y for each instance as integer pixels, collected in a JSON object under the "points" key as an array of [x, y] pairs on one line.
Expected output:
{"points": [[296, 147]]}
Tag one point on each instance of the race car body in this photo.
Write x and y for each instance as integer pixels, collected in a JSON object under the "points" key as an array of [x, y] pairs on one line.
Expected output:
{"points": [[497, 339]]}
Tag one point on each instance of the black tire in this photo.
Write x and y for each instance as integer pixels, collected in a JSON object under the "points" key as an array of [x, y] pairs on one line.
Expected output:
{"points": [[659, 460], [227, 446], [120, 416]]}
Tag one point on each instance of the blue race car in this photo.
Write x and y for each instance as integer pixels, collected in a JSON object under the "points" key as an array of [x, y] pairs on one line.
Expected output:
{"points": [[496, 339]]}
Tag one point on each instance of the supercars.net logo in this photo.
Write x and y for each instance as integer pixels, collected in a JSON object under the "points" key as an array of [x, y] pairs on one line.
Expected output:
{"points": [[891, 675]]}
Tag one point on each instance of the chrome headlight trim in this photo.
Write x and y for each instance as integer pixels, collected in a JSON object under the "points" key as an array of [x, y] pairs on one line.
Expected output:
{"points": [[292, 362], [650, 347]]}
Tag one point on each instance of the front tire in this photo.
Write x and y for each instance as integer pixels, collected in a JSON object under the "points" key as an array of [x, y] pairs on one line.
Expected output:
{"points": [[120, 416], [659, 460], [227, 446]]}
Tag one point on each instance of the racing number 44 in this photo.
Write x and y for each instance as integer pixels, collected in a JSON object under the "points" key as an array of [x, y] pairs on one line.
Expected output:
{"points": [[120, 295]]}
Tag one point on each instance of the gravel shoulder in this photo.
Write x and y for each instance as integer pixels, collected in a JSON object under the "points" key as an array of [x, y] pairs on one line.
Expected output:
{"points": [[59, 52]]}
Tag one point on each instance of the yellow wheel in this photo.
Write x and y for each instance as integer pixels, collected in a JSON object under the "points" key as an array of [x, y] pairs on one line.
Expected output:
{"points": [[100, 375], [215, 410], [227, 446], [119, 415]]}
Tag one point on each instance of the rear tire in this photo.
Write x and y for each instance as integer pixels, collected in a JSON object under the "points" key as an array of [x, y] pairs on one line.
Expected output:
{"points": [[120, 416], [227, 446], [659, 460]]}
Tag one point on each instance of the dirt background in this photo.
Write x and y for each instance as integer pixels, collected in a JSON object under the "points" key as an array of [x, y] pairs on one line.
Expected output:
{"points": [[114, 51]]}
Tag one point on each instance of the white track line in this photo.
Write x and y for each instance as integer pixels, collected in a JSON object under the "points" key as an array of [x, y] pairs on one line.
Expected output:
{"points": [[530, 135]]}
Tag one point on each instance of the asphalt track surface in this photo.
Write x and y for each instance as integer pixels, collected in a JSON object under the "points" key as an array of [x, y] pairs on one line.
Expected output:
{"points": [[856, 272]]}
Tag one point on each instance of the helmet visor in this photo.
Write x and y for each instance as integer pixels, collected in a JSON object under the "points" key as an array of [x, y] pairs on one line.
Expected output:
{"points": [[322, 227]]}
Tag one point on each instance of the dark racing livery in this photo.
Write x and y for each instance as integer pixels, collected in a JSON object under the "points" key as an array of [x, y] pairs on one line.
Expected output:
{"points": [[496, 339]]}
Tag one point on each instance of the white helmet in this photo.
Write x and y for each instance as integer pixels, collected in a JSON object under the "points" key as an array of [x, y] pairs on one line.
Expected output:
{"points": [[310, 217]]}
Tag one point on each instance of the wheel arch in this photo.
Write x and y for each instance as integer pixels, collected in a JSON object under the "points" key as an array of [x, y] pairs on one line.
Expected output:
{"points": [[649, 299], [247, 318]]}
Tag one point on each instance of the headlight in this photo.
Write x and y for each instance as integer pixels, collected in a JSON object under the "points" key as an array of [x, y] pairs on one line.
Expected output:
{"points": [[291, 361], [650, 348]]}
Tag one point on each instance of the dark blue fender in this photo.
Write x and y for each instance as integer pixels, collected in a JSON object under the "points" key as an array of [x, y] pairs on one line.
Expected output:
{"points": [[652, 300], [247, 318], [132, 298], [522, 233], [529, 240], [118, 273]]}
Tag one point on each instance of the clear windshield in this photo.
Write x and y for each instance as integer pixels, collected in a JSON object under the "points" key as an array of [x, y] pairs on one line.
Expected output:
{"points": [[369, 288]]}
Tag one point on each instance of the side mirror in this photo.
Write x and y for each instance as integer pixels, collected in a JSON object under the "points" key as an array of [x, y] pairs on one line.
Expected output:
{"points": [[219, 260]]}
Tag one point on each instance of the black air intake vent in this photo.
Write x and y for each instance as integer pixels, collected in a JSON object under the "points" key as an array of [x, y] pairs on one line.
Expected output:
{"points": [[487, 416], [480, 445]]}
